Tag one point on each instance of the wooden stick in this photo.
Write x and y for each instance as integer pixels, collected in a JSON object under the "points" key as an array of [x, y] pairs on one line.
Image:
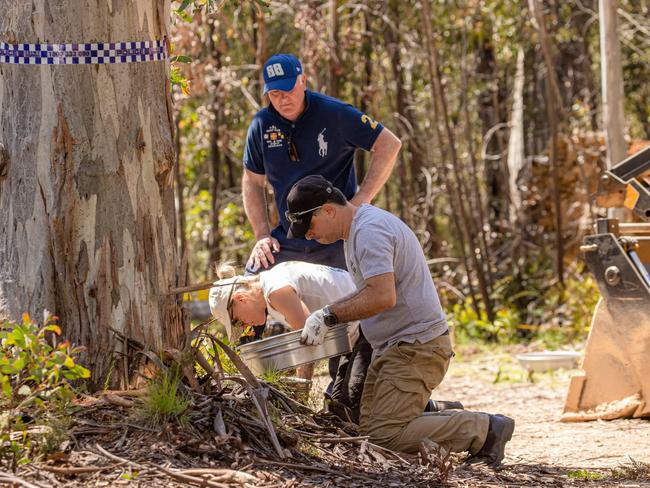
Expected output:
{"points": [[191, 479], [306, 467], [187, 289], [343, 439], [239, 476], [9, 478], [80, 469], [173, 474], [116, 458]]}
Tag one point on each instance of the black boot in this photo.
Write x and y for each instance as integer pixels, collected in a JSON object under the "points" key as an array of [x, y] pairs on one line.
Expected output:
{"points": [[493, 450], [438, 405]]}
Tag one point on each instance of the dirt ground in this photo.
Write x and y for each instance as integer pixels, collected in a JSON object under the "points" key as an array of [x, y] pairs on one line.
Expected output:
{"points": [[495, 382], [536, 407]]}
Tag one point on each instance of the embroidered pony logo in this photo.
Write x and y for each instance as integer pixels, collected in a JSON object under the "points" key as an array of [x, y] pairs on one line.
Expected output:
{"points": [[322, 143]]}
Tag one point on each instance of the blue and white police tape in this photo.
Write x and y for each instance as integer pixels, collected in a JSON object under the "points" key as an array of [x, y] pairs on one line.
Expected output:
{"points": [[84, 53]]}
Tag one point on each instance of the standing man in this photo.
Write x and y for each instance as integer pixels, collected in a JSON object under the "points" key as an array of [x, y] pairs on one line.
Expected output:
{"points": [[403, 321], [303, 133]]}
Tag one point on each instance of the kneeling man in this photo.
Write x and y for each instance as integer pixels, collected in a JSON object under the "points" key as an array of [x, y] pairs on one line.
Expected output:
{"points": [[401, 318]]}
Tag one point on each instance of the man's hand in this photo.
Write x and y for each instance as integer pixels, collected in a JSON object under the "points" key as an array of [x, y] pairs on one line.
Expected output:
{"points": [[313, 333], [262, 253]]}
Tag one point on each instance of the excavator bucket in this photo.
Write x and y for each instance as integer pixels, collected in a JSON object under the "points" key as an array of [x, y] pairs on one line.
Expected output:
{"points": [[615, 377]]}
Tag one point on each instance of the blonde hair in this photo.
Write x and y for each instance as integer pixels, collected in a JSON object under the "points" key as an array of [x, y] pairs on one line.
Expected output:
{"points": [[225, 270]]}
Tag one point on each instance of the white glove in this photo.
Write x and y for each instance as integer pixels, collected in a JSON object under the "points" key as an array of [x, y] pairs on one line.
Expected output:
{"points": [[313, 333]]}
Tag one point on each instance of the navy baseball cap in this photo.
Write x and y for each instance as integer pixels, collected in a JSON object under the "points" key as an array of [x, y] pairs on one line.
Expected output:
{"points": [[281, 72], [306, 196]]}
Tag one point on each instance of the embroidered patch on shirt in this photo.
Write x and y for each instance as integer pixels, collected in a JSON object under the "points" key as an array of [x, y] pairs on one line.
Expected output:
{"points": [[273, 137]]}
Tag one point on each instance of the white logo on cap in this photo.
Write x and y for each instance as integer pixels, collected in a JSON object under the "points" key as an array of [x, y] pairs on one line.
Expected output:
{"points": [[274, 69]]}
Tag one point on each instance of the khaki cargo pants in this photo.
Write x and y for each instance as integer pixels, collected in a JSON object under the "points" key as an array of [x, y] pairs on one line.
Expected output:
{"points": [[399, 384]]}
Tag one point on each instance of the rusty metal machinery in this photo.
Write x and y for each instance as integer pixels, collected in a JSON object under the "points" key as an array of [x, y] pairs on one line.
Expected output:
{"points": [[615, 377]]}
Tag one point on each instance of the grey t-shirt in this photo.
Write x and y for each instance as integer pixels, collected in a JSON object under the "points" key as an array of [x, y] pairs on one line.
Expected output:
{"points": [[381, 243]]}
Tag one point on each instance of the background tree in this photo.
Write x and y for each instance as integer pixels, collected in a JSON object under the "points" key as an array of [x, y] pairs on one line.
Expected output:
{"points": [[377, 53]]}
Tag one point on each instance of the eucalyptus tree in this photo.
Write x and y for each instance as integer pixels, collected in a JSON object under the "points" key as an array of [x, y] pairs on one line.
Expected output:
{"points": [[86, 198]]}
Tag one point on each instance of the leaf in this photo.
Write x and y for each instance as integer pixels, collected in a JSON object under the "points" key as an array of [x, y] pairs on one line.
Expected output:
{"points": [[53, 328], [184, 5], [69, 362], [18, 364], [8, 369], [180, 59], [6, 387], [24, 390], [26, 318]]}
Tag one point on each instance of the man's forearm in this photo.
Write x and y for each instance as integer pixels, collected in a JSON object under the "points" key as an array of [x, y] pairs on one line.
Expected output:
{"points": [[360, 305], [255, 207], [384, 155]]}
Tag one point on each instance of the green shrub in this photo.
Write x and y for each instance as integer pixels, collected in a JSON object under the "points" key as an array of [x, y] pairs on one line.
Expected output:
{"points": [[468, 326], [545, 311], [34, 373]]}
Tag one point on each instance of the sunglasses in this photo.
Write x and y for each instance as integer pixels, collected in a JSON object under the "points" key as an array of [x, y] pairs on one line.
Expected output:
{"points": [[293, 150], [294, 217], [230, 303]]}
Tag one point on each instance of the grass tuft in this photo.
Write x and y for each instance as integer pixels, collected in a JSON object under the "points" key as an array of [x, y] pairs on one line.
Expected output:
{"points": [[163, 401]]}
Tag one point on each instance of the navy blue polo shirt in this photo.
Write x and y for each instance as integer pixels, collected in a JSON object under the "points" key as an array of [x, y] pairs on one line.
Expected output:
{"points": [[325, 135]]}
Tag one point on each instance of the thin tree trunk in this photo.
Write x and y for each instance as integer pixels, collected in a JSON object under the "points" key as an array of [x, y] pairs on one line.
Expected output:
{"points": [[87, 221], [406, 199], [612, 89], [261, 44], [180, 189], [440, 107], [455, 200], [516, 152], [553, 108], [475, 197], [215, 154], [334, 61], [360, 162]]}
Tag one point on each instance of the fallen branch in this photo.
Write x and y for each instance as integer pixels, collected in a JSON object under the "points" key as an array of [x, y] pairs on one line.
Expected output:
{"points": [[14, 480], [119, 401], [178, 476], [191, 479], [80, 469], [343, 439], [224, 474]]}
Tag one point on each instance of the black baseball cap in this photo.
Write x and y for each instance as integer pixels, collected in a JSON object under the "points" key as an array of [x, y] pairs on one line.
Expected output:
{"points": [[306, 196]]}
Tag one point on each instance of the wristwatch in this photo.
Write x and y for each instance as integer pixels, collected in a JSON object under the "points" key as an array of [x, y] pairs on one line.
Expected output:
{"points": [[329, 317]]}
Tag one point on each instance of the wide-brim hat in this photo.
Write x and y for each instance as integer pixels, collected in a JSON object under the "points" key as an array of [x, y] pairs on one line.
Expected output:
{"points": [[219, 297]]}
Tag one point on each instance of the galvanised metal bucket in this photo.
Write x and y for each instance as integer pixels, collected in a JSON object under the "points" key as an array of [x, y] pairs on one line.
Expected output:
{"points": [[284, 351]]}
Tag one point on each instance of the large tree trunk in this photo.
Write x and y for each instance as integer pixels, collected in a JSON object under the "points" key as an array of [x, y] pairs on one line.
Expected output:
{"points": [[87, 208]]}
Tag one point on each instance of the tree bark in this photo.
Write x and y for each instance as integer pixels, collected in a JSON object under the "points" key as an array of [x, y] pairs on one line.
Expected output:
{"points": [[334, 61], [261, 44], [554, 113], [87, 223], [214, 239], [516, 152], [612, 89], [180, 189], [360, 158]]}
